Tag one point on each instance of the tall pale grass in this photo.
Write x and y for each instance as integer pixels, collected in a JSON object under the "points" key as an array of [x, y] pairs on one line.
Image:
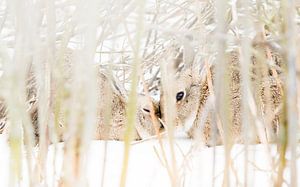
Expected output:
{"points": [[134, 40]]}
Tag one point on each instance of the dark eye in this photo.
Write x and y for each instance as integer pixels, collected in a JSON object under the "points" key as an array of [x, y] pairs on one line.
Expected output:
{"points": [[179, 96], [146, 110]]}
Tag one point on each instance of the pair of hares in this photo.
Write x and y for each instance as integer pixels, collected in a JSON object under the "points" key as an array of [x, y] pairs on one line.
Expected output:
{"points": [[193, 91], [194, 102]]}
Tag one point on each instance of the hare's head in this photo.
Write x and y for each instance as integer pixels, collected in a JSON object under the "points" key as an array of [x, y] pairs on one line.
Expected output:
{"points": [[185, 87], [148, 116], [186, 93]]}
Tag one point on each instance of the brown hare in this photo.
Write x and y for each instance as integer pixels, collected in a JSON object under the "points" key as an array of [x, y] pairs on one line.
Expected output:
{"points": [[116, 127], [194, 96], [113, 127]]}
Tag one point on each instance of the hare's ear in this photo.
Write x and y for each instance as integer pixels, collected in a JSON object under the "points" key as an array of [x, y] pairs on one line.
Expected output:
{"points": [[188, 52], [144, 104], [118, 88], [115, 84], [185, 56], [189, 59], [178, 61]]}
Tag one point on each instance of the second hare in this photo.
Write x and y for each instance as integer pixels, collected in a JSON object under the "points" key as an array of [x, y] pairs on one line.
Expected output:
{"points": [[195, 101]]}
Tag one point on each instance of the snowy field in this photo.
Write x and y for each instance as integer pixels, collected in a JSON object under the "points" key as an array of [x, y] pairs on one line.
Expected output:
{"points": [[194, 164], [62, 40]]}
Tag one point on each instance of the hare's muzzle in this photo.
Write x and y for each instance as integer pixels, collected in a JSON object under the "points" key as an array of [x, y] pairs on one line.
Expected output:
{"points": [[159, 116], [158, 112]]}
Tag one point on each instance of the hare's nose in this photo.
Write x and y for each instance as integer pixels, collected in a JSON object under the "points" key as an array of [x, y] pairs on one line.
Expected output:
{"points": [[158, 112]]}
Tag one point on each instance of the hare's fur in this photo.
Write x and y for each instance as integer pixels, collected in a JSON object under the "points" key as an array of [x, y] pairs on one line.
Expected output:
{"points": [[115, 129], [194, 104], [112, 128]]}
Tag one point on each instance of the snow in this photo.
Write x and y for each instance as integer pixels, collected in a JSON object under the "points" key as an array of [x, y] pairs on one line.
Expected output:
{"points": [[194, 164]]}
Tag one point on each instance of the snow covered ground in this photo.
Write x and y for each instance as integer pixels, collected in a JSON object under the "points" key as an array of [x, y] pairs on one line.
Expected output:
{"points": [[194, 164]]}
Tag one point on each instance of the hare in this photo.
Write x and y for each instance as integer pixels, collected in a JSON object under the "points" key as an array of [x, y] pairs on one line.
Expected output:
{"points": [[115, 129], [194, 98], [111, 110], [111, 104]]}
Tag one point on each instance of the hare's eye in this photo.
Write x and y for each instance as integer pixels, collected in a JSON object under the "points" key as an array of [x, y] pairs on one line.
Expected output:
{"points": [[179, 96], [146, 110]]}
